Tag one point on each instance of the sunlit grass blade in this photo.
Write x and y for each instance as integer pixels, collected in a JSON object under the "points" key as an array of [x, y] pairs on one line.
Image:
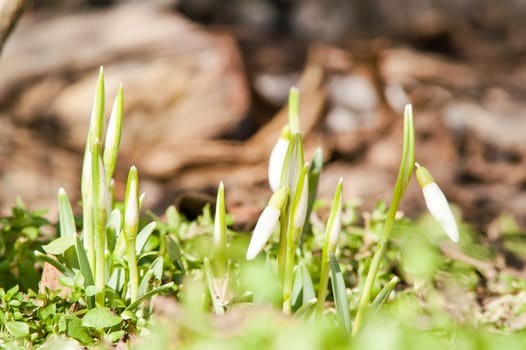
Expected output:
{"points": [[340, 295], [332, 232]]}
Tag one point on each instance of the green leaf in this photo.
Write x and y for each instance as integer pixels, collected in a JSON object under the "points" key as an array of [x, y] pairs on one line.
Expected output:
{"points": [[149, 294], [59, 245], [113, 135], [76, 331], [100, 318], [113, 337], [174, 252], [340, 295], [113, 226], [17, 329], [56, 264], [143, 236], [67, 220]]}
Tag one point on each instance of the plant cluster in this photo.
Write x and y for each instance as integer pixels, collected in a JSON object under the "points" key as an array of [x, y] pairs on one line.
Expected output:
{"points": [[331, 276]]}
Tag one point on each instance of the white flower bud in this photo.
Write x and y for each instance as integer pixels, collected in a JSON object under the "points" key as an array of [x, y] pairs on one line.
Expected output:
{"points": [[266, 223], [437, 203]]}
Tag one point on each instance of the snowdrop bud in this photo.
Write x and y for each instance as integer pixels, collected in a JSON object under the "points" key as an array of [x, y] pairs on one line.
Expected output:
{"points": [[131, 214], [277, 156], [436, 202], [266, 222], [219, 221]]}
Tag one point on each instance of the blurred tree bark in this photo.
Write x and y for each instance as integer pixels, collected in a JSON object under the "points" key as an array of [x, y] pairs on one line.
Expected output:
{"points": [[10, 12]]}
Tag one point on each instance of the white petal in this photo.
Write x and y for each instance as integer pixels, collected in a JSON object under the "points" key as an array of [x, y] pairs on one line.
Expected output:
{"points": [[264, 227], [439, 207], [275, 165]]}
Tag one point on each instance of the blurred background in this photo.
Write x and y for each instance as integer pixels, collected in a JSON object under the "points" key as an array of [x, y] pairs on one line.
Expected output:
{"points": [[205, 83]]}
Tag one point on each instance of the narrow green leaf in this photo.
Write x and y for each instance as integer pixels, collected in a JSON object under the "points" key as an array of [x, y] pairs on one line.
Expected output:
{"points": [[307, 310], [116, 281], [382, 297], [83, 262], [174, 252], [67, 225], [113, 229], [100, 318], [303, 288], [58, 265], [143, 236], [59, 245], [65, 214], [113, 135], [143, 285], [157, 268], [210, 280], [149, 294], [340, 295], [173, 218]]}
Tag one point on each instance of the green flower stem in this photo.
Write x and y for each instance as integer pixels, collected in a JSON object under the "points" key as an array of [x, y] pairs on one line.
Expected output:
{"points": [[289, 268], [293, 234], [404, 175], [132, 267]]}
